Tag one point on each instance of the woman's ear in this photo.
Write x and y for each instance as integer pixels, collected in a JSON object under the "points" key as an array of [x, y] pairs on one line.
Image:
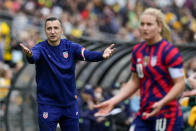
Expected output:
{"points": [[160, 29]]}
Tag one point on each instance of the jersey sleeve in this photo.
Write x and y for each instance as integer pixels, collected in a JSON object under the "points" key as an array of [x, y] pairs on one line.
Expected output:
{"points": [[133, 61], [173, 59], [83, 54], [36, 54], [174, 63]]}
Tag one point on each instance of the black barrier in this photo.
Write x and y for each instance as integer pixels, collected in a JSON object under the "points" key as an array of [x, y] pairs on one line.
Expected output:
{"points": [[22, 114]]}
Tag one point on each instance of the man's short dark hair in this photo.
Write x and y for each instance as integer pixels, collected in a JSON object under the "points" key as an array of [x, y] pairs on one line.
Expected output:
{"points": [[53, 19]]}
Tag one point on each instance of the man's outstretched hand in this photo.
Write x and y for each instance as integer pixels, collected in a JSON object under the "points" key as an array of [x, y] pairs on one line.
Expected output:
{"points": [[108, 51], [26, 50]]}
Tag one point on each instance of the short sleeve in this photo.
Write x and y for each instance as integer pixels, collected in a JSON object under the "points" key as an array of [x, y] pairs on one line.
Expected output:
{"points": [[133, 61], [173, 57]]}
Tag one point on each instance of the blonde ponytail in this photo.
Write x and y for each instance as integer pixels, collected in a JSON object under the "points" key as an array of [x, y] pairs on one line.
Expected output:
{"points": [[166, 32]]}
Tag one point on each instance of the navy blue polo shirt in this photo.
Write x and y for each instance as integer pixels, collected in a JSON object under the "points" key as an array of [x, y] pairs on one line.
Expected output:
{"points": [[55, 70]]}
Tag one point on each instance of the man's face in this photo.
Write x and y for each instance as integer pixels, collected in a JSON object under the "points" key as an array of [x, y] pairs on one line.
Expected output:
{"points": [[53, 30]]}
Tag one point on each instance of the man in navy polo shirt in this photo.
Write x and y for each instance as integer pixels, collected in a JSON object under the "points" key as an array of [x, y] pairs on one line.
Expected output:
{"points": [[55, 61]]}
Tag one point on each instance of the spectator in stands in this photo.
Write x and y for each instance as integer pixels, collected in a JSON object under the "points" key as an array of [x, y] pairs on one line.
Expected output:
{"points": [[5, 83], [86, 108], [158, 72], [5, 40], [98, 92], [190, 66], [191, 83], [5, 76], [188, 103], [192, 80], [87, 120], [55, 60], [108, 24]]}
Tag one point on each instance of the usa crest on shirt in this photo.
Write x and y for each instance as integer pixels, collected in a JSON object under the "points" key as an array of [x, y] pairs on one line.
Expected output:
{"points": [[45, 115], [65, 54], [153, 60]]}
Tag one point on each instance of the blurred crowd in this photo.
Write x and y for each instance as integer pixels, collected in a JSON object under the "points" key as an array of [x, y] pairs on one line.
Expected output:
{"points": [[118, 120], [100, 18], [97, 19]]}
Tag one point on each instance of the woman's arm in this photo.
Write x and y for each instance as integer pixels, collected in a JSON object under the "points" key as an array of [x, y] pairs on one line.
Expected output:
{"points": [[126, 91]]}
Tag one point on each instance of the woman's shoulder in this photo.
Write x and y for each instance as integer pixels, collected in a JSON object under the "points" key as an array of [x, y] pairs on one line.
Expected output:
{"points": [[138, 45], [166, 43]]}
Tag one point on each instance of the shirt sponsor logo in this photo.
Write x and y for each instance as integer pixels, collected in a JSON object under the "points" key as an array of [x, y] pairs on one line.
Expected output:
{"points": [[65, 54], [45, 115]]}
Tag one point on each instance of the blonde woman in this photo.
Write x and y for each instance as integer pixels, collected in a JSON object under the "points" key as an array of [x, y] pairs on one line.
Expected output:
{"points": [[158, 72]]}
